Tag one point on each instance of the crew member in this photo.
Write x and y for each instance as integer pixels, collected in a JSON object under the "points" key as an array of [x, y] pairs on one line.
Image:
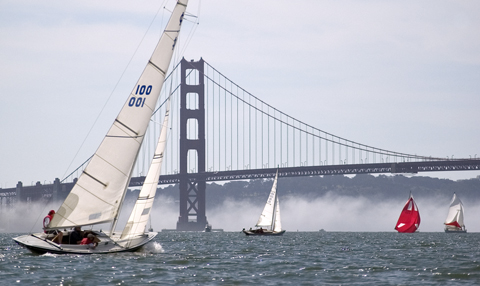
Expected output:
{"points": [[57, 235]]}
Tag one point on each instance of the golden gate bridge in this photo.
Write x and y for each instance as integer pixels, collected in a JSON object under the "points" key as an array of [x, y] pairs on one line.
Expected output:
{"points": [[219, 132]]}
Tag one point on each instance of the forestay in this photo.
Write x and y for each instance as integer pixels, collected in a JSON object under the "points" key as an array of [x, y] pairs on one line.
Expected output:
{"points": [[141, 211], [100, 189]]}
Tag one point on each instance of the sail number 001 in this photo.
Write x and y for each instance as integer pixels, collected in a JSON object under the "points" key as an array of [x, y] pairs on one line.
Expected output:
{"points": [[139, 101]]}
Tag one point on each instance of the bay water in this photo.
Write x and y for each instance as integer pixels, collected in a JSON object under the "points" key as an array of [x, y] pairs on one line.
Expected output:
{"points": [[231, 258]]}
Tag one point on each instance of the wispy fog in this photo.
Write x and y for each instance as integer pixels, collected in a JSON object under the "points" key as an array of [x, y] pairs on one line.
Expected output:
{"points": [[24, 217], [340, 213], [330, 212]]}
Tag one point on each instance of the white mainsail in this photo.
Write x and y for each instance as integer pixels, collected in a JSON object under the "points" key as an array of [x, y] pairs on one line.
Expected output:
{"points": [[455, 213], [141, 211], [267, 218], [98, 194]]}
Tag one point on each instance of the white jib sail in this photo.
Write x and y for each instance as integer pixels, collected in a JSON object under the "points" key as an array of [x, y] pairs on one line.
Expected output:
{"points": [[141, 211], [100, 189], [266, 218], [455, 212]]}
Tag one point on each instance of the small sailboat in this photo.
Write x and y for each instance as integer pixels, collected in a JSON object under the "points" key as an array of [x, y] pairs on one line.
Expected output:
{"points": [[409, 219], [98, 194], [269, 222], [208, 228], [454, 222]]}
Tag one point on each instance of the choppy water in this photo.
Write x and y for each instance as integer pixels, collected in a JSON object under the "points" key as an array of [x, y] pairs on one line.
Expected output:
{"points": [[297, 258]]}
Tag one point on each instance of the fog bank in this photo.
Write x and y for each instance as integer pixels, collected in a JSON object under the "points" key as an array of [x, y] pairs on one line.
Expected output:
{"points": [[330, 212]]}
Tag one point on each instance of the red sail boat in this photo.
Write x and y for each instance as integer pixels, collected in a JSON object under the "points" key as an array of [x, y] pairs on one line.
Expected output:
{"points": [[409, 219]]}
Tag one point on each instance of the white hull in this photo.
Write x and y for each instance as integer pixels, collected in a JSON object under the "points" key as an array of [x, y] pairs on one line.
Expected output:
{"points": [[38, 243]]}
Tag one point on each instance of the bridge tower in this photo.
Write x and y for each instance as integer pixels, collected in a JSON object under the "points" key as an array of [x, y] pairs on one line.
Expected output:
{"points": [[192, 191]]}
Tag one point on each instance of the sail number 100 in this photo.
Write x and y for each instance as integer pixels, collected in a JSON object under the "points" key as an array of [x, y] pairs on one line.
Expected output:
{"points": [[140, 101]]}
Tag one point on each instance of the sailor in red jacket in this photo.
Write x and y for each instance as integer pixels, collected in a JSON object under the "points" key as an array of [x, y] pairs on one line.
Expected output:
{"points": [[57, 235], [91, 240]]}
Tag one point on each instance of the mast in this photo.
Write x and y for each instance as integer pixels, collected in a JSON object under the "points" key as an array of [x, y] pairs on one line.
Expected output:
{"points": [[99, 191], [272, 226], [171, 32]]}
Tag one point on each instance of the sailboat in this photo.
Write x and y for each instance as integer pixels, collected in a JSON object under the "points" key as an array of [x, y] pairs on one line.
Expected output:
{"points": [[454, 222], [409, 219], [269, 221], [98, 194]]}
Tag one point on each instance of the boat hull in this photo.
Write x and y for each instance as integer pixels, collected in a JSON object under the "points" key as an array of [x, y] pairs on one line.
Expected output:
{"points": [[39, 244], [455, 231], [265, 232]]}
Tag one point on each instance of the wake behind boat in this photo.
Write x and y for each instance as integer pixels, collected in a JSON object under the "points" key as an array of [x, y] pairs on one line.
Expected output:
{"points": [[409, 219], [454, 221], [269, 222], [98, 194]]}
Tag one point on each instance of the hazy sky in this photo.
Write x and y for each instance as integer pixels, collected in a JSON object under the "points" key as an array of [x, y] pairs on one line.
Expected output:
{"points": [[397, 75]]}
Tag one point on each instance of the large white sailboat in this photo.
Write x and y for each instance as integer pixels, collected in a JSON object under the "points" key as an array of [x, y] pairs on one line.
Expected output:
{"points": [[98, 194], [269, 222], [454, 221]]}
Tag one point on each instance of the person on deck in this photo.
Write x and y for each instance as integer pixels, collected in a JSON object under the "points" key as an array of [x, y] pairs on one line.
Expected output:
{"points": [[76, 235], [57, 235], [91, 240]]}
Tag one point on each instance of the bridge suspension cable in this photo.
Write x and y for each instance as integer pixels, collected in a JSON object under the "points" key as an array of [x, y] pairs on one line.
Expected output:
{"points": [[244, 132]]}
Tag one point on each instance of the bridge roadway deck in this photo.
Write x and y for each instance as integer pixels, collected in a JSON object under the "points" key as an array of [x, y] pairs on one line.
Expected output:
{"points": [[375, 168], [39, 190]]}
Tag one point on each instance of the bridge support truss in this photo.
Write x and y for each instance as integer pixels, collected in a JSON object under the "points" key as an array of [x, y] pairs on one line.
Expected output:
{"points": [[192, 190]]}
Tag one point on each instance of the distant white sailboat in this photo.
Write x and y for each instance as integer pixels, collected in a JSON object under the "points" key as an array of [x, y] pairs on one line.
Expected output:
{"points": [[454, 221], [99, 192], [269, 222]]}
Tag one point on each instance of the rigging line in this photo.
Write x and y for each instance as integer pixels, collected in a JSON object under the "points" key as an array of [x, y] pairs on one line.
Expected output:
{"points": [[76, 169], [156, 112], [190, 36], [231, 132], [206, 128], [169, 128], [135, 218], [161, 105], [197, 22], [193, 30], [114, 88], [225, 127], [377, 150], [347, 140], [300, 122], [219, 129]]}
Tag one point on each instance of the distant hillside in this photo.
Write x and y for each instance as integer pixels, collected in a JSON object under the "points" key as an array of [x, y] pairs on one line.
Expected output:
{"points": [[374, 187]]}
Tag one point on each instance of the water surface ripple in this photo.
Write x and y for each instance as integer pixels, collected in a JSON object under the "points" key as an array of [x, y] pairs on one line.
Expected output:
{"points": [[231, 258]]}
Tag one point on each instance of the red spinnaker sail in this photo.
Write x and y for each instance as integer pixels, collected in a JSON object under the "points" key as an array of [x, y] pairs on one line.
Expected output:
{"points": [[409, 219]]}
